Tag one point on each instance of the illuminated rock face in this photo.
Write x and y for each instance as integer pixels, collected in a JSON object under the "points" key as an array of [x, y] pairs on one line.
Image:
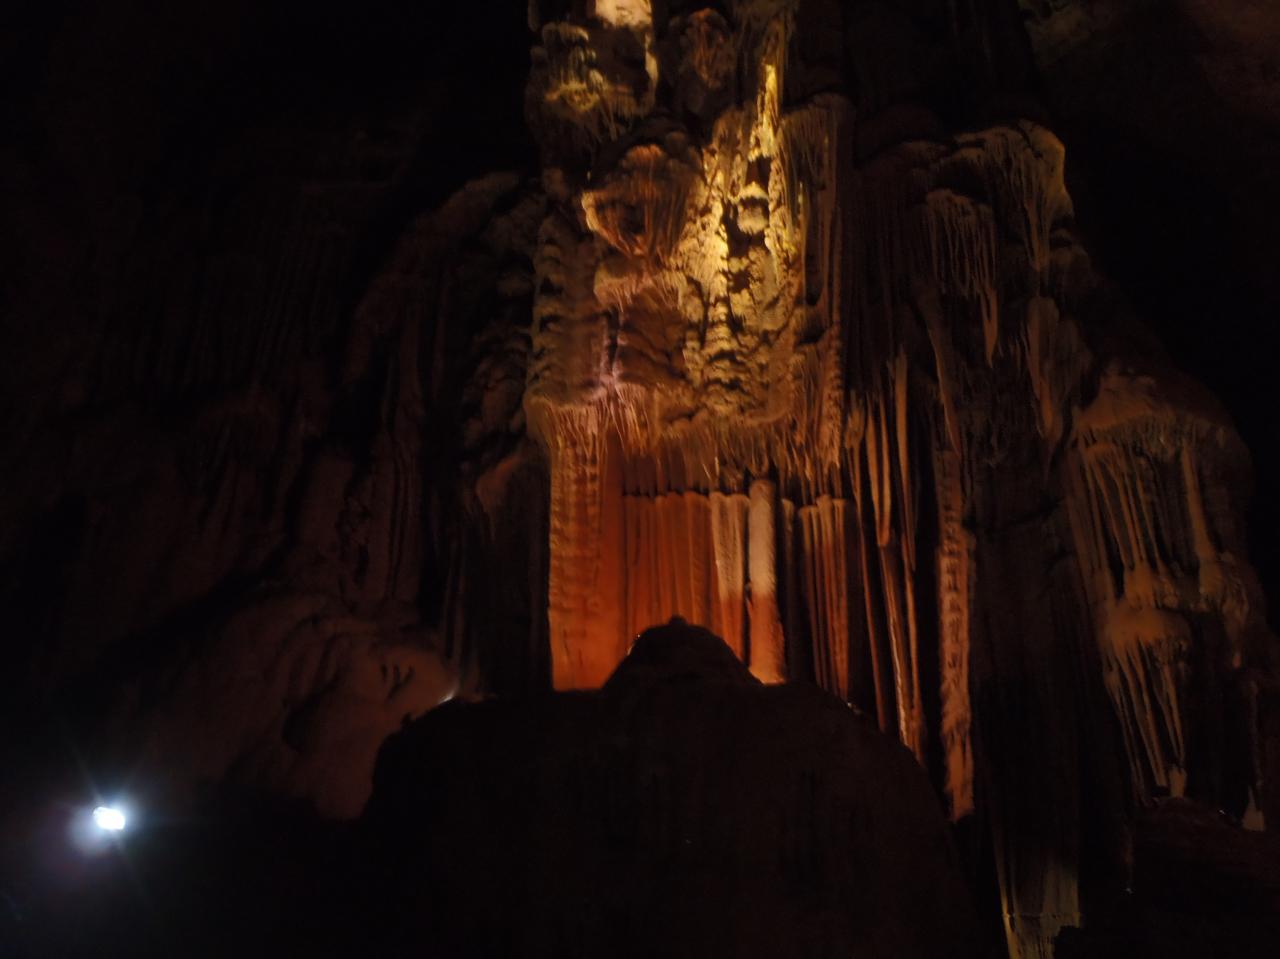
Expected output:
{"points": [[849, 393], [791, 338]]}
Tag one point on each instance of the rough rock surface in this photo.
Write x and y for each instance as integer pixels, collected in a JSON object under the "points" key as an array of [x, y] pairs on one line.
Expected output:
{"points": [[821, 362], [261, 387], [312, 421], [1200, 888], [1172, 113], [683, 810]]}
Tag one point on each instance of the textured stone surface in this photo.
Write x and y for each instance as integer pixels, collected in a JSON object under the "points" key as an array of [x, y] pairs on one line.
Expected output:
{"points": [[261, 401], [788, 324], [683, 810], [1169, 111], [1201, 887], [992, 513]]}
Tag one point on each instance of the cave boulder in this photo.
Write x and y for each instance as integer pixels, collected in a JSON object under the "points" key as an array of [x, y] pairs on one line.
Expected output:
{"points": [[683, 809]]}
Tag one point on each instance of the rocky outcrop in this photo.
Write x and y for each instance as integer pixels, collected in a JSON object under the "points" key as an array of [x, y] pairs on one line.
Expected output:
{"points": [[684, 809], [1200, 887]]}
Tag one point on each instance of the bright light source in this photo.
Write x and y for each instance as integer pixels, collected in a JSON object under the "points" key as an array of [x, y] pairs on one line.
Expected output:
{"points": [[109, 818]]}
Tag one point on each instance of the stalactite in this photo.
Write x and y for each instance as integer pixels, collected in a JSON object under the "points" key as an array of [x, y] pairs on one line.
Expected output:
{"points": [[584, 602], [880, 659], [1153, 567], [641, 210], [1022, 168], [706, 577], [768, 654], [1056, 362], [824, 526], [1145, 650], [729, 537], [883, 447], [955, 606], [906, 673], [792, 621], [962, 255], [907, 540]]}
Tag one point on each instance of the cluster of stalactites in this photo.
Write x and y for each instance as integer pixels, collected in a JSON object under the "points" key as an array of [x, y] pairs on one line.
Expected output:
{"points": [[931, 247], [1154, 560], [593, 75], [653, 180], [621, 562], [752, 357], [596, 70], [869, 248]]}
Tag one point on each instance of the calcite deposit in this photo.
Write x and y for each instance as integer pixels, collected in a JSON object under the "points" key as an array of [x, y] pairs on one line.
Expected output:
{"points": [[844, 387], [334, 392]]}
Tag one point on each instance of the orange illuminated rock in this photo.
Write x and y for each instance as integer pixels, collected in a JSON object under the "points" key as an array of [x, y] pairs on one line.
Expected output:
{"points": [[846, 389]]}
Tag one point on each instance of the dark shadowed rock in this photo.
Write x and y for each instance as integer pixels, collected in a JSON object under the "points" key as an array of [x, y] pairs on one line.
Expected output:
{"points": [[1201, 888], [677, 652], [684, 810]]}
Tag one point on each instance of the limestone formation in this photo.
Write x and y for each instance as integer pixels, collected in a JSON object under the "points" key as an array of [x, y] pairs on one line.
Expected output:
{"points": [[836, 390], [781, 323]]}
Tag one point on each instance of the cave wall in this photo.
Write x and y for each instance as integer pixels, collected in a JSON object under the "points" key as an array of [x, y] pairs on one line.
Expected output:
{"points": [[799, 321], [1170, 111], [262, 385]]}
